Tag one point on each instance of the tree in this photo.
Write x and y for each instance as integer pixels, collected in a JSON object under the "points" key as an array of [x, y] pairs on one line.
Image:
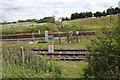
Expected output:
{"points": [[88, 14], [21, 20], [31, 20], [110, 11], [117, 10], [46, 19], [104, 13], [65, 19], [83, 15], [104, 63], [75, 16], [97, 14]]}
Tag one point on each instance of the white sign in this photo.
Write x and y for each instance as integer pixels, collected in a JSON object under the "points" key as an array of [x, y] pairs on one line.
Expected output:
{"points": [[77, 32], [50, 48]]}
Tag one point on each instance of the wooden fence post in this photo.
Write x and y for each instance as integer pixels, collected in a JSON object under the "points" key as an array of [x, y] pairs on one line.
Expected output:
{"points": [[39, 33], [33, 36], [59, 39], [22, 54], [68, 37]]}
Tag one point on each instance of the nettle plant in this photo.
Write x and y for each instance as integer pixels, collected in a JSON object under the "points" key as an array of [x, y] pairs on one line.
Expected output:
{"points": [[104, 63]]}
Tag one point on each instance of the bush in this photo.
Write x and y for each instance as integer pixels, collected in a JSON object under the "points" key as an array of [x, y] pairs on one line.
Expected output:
{"points": [[42, 41], [104, 63]]}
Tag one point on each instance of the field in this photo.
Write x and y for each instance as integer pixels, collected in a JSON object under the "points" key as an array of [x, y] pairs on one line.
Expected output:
{"points": [[88, 24]]}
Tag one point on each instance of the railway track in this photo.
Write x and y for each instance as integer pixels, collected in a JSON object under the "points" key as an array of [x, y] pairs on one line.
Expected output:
{"points": [[62, 54], [19, 36], [30, 37]]}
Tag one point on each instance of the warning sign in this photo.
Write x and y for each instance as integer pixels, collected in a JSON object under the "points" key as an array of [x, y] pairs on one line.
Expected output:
{"points": [[50, 48], [70, 33]]}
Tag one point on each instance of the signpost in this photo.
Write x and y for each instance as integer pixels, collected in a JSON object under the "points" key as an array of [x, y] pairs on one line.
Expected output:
{"points": [[46, 36], [70, 33], [77, 34], [50, 49]]}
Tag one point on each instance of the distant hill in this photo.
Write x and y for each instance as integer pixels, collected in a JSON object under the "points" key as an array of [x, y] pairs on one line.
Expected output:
{"points": [[94, 22]]}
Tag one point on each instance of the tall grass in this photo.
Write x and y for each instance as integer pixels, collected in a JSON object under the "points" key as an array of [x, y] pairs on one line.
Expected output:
{"points": [[33, 64], [29, 29]]}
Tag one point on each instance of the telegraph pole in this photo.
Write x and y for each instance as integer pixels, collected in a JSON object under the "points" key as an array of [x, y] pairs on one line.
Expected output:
{"points": [[110, 14]]}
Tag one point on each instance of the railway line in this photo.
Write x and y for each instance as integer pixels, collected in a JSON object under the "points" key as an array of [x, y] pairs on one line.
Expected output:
{"points": [[29, 35], [62, 54], [55, 34], [59, 54]]}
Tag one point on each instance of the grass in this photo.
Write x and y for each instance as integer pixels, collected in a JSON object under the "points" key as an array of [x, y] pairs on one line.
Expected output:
{"points": [[70, 69], [88, 24], [32, 67], [73, 69], [93, 24], [35, 67], [29, 29], [65, 45]]}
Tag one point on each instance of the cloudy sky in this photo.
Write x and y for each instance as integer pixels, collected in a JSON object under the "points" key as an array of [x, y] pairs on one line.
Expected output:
{"points": [[13, 10]]}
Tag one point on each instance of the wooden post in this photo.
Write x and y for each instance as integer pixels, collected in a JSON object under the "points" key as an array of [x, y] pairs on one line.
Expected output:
{"points": [[22, 54], [33, 36], [68, 37], [59, 39], [39, 33], [74, 35], [81, 35]]}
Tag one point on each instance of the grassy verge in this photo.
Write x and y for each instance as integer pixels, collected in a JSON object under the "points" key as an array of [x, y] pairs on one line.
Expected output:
{"points": [[70, 69], [80, 44], [73, 69]]}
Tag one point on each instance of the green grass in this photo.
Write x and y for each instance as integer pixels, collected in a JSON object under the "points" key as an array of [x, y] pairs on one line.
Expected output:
{"points": [[88, 24], [70, 69], [22, 24], [29, 29], [73, 69], [93, 24], [64, 45]]}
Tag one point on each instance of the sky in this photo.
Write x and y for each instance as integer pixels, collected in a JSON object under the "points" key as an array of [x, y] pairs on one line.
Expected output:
{"points": [[13, 10]]}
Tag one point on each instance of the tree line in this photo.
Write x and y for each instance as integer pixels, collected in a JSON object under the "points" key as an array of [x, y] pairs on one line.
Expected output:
{"points": [[109, 11], [44, 20]]}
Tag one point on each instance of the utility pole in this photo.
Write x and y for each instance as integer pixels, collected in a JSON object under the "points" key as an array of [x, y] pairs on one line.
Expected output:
{"points": [[110, 15]]}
